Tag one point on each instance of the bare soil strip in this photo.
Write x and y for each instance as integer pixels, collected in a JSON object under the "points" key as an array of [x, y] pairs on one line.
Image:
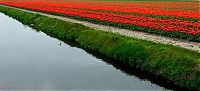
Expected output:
{"points": [[195, 46]]}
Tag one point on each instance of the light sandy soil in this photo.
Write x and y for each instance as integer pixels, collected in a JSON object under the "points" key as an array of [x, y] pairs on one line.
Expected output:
{"points": [[195, 46]]}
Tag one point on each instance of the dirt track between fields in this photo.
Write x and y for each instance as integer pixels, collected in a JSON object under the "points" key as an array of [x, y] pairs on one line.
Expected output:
{"points": [[195, 46]]}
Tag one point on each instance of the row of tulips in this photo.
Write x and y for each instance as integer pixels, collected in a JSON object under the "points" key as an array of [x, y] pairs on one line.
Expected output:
{"points": [[169, 25], [157, 24], [192, 11]]}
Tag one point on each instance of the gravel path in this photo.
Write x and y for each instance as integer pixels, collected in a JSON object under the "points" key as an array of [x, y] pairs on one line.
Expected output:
{"points": [[195, 46]]}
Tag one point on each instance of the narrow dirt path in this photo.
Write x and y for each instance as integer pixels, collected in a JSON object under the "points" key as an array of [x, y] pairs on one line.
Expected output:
{"points": [[195, 46]]}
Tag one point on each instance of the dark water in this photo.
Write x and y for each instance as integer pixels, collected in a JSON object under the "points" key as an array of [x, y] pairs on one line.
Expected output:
{"points": [[31, 60]]}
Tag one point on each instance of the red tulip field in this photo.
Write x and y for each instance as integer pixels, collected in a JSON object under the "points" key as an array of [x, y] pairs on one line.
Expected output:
{"points": [[172, 19]]}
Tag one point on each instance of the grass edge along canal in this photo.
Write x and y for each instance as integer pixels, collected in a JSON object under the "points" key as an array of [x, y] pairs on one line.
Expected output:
{"points": [[177, 65]]}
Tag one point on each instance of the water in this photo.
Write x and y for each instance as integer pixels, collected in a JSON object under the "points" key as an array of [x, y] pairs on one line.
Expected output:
{"points": [[31, 60]]}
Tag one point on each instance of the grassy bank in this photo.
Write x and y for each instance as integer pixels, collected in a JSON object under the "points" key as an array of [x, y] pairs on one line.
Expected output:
{"points": [[178, 65]]}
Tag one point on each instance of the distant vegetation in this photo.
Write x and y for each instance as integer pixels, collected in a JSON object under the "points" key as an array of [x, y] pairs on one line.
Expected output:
{"points": [[146, 0]]}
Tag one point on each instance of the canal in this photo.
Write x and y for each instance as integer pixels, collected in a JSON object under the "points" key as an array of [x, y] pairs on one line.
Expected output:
{"points": [[31, 60]]}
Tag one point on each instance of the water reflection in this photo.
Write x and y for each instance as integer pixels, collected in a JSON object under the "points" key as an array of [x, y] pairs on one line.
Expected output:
{"points": [[35, 61]]}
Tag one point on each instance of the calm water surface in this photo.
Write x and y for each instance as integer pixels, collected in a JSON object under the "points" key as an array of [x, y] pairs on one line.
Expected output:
{"points": [[32, 60]]}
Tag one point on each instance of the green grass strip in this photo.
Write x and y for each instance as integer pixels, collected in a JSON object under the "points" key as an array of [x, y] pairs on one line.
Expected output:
{"points": [[177, 65]]}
